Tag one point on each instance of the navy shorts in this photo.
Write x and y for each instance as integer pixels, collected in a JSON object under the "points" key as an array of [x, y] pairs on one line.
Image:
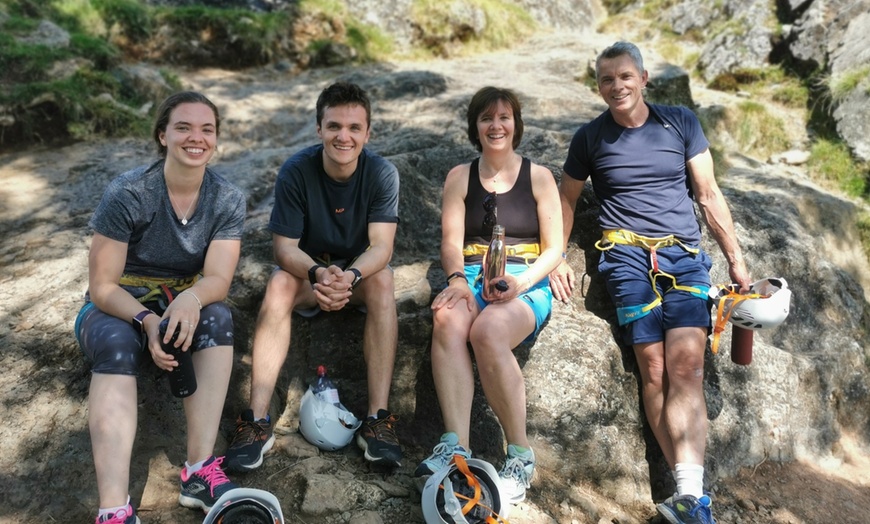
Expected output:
{"points": [[539, 297], [113, 346], [626, 271]]}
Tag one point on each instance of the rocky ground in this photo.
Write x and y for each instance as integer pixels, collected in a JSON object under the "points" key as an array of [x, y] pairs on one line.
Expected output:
{"points": [[46, 471]]}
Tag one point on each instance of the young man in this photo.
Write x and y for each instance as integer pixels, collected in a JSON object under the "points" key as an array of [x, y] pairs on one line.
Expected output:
{"points": [[333, 227], [647, 164]]}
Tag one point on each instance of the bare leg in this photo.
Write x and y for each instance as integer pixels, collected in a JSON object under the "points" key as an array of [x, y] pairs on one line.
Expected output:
{"points": [[452, 368], [499, 329], [685, 408], [654, 387], [272, 335], [203, 409], [380, 337], [112, 418]]}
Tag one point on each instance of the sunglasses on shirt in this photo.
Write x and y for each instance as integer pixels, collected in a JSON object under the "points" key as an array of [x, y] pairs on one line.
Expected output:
{"points": [[491, 217]]}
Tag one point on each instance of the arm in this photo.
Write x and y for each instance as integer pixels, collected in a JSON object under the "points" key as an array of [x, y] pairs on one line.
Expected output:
{"points": [[221, 260], [715, 213], [382, 237], [562, 278], [453, 238], [330, 293]]}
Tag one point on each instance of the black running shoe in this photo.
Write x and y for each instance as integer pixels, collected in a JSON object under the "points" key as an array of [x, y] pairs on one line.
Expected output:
{"points": [[203, 488], [251, 440], [378, 439]]}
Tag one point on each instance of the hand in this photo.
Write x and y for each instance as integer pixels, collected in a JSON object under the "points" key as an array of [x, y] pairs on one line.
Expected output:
{"points": [[739, 275], [496, 295], [332, 291], [182, 311], [453, 294], [562, 281]]}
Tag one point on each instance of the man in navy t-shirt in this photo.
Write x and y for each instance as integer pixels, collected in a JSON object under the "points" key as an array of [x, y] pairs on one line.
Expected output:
{"points": [[333, 227], [648, 165]]}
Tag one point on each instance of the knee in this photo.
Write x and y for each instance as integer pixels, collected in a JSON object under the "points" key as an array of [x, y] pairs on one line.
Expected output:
{"points": [[281, 291], [380, 289], [686, 371]]}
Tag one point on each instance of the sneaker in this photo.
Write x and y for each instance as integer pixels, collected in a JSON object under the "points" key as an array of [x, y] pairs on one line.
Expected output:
{"points": [[203, 488], [251, 440], [442, 455], [378, 439], [516, 475], [687, 509], [122, 516]]}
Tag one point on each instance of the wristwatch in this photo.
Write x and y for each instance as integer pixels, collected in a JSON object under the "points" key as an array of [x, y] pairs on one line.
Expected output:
{"points": [[139, 319], [357, 277], [455, 274], [312, 273]]}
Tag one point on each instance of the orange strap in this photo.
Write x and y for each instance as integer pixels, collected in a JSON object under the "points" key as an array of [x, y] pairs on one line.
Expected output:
{"points": [[462, 466], [722, 316]]}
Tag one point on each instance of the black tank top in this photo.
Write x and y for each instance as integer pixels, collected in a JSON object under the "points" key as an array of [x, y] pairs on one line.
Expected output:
{"points": [[517, 211]]}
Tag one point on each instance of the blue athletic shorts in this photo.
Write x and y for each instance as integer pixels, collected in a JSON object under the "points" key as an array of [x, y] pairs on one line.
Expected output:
{"points": [[113, 346], [539, 297], [626, 271]]}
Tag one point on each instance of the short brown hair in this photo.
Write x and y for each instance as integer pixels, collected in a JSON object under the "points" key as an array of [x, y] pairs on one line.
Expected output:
{"points": [[483, 101]]}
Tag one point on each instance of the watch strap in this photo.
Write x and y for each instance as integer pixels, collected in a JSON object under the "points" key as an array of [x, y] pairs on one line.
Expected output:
{"points": [[312, 273], [356, 278], [455, 274], [139, 319]]}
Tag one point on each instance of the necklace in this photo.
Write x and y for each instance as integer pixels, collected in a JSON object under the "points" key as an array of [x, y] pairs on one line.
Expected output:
{"points": [[171, 199]]}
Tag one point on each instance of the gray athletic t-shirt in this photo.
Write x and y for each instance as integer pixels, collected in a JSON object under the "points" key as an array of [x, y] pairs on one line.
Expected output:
{"points": [[136, 209]]}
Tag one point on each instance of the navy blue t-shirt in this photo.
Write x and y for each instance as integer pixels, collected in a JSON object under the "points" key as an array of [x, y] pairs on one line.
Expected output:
{"points": [[331, 217], [639, 174]]}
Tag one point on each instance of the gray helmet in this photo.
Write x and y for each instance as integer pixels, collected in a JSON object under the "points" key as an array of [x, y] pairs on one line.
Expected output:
{"points": [[245, 506]]}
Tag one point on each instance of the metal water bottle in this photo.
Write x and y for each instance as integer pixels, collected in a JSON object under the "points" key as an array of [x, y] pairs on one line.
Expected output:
{"points": [[182, 378], [741, 345], [494, 262]]}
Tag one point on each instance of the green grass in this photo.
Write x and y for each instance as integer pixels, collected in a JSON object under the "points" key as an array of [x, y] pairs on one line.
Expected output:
{"points": [[757, 130], [831, 160], [842, 84]]}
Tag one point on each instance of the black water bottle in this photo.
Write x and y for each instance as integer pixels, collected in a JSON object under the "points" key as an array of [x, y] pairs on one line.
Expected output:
{"points": [[182, 378]]}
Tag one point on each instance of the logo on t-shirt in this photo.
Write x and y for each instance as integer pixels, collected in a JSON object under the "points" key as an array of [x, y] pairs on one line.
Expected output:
{"points": [[339, 210]]}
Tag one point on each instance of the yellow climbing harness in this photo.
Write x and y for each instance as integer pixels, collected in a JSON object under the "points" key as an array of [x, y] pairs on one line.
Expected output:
{"points": [[612, 237], [159, 287], [525, 251]]}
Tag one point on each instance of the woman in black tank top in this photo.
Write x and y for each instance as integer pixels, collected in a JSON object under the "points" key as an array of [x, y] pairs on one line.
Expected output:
{"points": [[498, 187]]}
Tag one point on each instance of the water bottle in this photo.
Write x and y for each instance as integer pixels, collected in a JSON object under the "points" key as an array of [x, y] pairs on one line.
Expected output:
{"points": [[741, 345], [324, 389], [182, 378], [494, 262]]}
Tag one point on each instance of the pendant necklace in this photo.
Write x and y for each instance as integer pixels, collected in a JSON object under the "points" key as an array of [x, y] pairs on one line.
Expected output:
{"points": [[184, 218]]}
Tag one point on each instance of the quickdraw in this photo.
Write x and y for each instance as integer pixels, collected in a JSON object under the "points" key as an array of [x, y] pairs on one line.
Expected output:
{"points": [[611, 237], [462, 466]]}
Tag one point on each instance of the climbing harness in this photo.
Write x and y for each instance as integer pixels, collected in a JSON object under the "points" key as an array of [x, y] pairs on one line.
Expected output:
{"points": [[612, 237], [527, 252], [162, 290]]}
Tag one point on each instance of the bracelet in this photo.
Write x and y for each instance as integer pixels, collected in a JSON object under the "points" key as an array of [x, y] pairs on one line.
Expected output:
{"points": [[455, 274], [198, 301]]}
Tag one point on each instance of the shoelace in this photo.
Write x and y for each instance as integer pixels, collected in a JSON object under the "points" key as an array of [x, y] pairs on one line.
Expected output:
{"points": [[442, 453], [515, 468], [214, 476], [247, 433], [383, 429], [119, 517]]}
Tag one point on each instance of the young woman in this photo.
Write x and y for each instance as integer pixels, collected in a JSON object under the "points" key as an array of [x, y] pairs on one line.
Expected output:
{"points": [[166, 244], [500, 187]]}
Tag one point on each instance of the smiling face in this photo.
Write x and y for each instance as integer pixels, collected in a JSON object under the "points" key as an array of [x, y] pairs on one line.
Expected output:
{"points": [[495, 127], [344, 131], [621, 85], [190, 136]]}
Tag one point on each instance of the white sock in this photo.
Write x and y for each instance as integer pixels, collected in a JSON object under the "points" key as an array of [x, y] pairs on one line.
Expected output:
{"points": [[194, 468], [108, 511], [690, 479]]}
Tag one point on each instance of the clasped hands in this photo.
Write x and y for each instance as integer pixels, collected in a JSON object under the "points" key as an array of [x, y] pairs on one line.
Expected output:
{"points": [[333, 288]]}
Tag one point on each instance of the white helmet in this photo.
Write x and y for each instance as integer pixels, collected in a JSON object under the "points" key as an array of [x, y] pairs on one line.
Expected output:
{"points": [[765, 306], [245, 506], [327, 426], [451, 489]]}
